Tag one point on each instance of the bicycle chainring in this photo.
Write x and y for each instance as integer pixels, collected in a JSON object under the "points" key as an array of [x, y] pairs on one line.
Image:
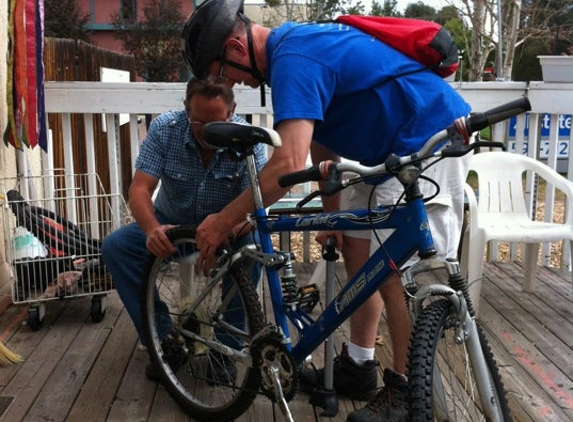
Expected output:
{"points": [[268, 348]]}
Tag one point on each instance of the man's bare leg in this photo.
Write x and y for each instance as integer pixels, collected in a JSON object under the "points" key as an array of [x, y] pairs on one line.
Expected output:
{"points": [[364, 321]]}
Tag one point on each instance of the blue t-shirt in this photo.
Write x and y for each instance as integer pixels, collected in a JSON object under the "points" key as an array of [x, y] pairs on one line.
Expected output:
{"points": [[341, 78], [189, 191]]}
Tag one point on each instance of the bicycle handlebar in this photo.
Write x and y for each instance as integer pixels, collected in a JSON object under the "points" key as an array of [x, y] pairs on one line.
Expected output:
{"points": [[462, 127], [495, 115], [311, 174]]}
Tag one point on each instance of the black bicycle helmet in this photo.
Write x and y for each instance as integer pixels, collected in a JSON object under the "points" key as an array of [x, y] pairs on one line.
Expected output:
{"points": [[206, 30]]}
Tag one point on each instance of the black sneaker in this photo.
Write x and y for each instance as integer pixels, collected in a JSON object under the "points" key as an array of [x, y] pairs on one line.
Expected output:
{"points": [[174, 352], [221, 369], [389, 405], [357, 382]]}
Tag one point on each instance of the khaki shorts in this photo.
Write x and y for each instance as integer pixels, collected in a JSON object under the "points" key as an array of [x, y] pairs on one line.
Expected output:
{"points": [[445, 211]]}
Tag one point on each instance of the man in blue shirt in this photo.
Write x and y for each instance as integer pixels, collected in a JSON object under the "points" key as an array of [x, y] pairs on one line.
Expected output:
{"points": [[196, 180], [336, 92]]}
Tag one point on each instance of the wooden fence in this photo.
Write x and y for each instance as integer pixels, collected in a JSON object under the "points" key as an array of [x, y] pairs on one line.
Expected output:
{"points": [[74, 60]]}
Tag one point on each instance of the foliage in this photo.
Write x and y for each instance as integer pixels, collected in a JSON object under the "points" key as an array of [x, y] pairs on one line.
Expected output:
{"points": [[313, 10], [355, 9], [526, 66], [388, 8], [420, 10], [550, 21], [64, 19], [154, 41], [461, 34], [537, 27]]}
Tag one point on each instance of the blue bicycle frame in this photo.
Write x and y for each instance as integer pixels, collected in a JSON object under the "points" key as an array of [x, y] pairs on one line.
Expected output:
{"points": [[408, 220], [411, 234]]}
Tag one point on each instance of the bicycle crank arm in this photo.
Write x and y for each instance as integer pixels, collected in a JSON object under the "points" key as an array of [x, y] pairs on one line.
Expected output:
{"points": [[273, 373]]}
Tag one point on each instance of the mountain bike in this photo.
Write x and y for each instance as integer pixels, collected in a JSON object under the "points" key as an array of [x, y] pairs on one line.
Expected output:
{"points": [[232, 353]]}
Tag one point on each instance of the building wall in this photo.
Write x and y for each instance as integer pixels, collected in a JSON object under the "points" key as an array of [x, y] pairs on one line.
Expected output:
{"points": [[103, 32], [100, 19]]}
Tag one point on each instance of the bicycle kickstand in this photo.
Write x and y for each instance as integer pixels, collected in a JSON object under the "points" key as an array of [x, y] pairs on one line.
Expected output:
{"points": [[273, 373], [326, 397]]}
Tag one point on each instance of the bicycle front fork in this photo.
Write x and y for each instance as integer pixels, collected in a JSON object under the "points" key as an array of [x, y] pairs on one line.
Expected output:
{"points": [[466, 329]]}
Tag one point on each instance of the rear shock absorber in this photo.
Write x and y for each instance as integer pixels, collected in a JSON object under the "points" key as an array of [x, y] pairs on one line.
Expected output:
{"points": [[289, 285]]}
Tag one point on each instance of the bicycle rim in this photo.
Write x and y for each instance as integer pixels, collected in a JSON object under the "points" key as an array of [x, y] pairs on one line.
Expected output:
{"points": [[442, 383], [207, 386]]}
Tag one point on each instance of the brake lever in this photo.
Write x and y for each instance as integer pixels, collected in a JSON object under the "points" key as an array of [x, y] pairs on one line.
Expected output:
{"points": [[332, 184], [459, 150], [307, 199]]}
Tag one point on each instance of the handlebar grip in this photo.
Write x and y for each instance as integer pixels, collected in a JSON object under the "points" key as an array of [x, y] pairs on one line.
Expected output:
{"points": [[310, 174], [497, 114]]}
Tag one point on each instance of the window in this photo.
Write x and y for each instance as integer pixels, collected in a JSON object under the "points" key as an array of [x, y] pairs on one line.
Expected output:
{"points": [[128, 9]]}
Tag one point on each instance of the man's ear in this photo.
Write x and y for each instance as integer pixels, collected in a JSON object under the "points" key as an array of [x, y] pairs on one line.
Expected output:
{"points": [[185, 104], [235, 46], [232, 110]]}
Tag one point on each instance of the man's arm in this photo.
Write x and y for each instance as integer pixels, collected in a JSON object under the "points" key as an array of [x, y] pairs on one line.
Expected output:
{"points": [[318, 154], [141, 205], [296, 137]]}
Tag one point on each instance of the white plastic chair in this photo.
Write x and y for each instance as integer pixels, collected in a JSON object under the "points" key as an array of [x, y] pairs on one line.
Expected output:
{"points": [[500, 213]]}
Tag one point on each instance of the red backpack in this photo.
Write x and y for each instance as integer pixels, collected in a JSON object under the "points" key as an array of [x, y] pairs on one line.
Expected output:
{"points": [[426, 42]]}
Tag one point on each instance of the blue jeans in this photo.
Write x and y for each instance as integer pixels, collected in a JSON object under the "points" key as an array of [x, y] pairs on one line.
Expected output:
{"points": [[125, 255]]}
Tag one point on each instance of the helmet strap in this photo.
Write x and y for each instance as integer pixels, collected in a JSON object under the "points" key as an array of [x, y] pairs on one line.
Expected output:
{"points": [[239, 66], [254, 70]]}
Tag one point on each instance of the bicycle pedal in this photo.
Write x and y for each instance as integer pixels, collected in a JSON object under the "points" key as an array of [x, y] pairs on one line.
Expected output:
{"points": [[308, 297]]}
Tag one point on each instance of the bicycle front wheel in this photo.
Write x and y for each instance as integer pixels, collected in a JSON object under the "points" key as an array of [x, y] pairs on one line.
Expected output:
{"points": [[442, 382], [207, 381]]}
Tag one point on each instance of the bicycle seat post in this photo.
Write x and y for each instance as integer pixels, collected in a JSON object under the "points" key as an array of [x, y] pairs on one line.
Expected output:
{"points": [[326, 397]]}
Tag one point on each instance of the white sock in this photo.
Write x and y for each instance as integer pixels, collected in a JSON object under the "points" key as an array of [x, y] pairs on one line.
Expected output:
{"points": [[360, 355]]}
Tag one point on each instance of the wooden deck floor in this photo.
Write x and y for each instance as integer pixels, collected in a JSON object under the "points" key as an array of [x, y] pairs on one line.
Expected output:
{"points": [[76, 370]]}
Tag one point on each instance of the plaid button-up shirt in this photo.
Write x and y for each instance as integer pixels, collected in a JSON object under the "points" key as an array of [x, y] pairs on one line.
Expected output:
{"points": [[189, 191]]}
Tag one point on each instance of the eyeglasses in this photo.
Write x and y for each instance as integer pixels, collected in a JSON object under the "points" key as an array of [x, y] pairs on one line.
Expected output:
{"points": [[199, 125]]}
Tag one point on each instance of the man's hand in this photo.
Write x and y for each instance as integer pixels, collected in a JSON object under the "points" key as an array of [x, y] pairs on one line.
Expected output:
{"points": [[158, 243], [211, 233]]}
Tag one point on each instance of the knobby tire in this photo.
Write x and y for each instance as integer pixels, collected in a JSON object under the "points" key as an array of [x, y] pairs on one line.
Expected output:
{"points": [[431, 348]]}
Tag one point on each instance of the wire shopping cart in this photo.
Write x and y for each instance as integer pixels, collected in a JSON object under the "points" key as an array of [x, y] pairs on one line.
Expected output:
{"points": [[53, 239]]}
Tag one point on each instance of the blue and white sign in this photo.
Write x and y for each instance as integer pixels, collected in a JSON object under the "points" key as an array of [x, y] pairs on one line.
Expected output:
{"points": [[564, 126], [563, 135], [562, 149]]}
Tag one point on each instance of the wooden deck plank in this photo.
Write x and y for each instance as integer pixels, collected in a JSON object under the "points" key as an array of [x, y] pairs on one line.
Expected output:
{"points": [[164, 408], [35, 373], [554, 315], [524, 339], [98, 392], [135, 395], [76, 362], [545, 323], [77, 370], [526, 396]]}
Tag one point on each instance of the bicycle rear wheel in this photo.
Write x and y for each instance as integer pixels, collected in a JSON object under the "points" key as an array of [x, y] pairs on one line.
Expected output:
{"points": [[209, 385], [442, 383]]}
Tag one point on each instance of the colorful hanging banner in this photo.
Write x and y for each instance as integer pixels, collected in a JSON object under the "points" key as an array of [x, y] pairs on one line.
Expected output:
{"points": [[25, 79]]}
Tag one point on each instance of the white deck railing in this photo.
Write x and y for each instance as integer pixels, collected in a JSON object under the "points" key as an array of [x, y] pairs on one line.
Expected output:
{"points": [[550, 103]]}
